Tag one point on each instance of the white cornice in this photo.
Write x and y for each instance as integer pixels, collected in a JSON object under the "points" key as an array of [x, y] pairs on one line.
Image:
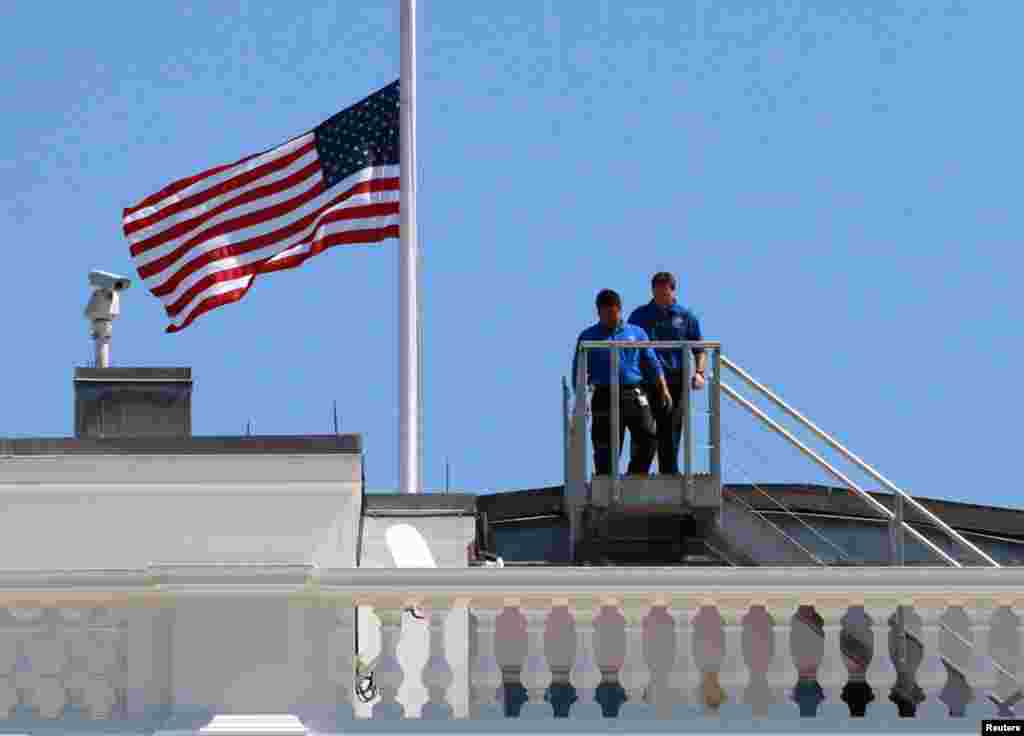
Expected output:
{"points": [[288, 579]]}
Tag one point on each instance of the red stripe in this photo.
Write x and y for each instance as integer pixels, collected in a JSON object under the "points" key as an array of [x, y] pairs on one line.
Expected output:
{"points": [[348, 238], [177, 186], [348, 213], [351, 237], [212, 303], [223, 188], [253, 218], [251, 195], [260, 241]]}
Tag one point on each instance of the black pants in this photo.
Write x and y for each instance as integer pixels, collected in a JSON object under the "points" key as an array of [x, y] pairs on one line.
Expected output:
{"points": [[634, 413], [670, 426]]}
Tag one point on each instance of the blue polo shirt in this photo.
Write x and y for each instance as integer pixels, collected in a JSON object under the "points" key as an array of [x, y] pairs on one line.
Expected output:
{"points": [[668, 323], [634, 363]]}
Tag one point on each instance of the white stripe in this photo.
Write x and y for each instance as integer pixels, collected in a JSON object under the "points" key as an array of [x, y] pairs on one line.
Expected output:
{"points": [[259, 229], [366, 223], [252, 207], [292, 244], [211, 204], [215, 289], [211, 181], [232, 237], [342, 226]]}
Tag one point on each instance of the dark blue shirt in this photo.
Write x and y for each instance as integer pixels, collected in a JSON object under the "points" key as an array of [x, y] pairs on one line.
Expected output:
{"points": [[668, 323], [634, 363]]}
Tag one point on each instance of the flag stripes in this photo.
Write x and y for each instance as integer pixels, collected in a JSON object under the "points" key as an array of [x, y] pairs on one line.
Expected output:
{"points": [[200, 242]]}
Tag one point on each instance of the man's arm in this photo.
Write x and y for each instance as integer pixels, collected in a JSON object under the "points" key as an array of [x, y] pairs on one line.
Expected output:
{"points": [[575, 363], [653, 363], [698, 353]]}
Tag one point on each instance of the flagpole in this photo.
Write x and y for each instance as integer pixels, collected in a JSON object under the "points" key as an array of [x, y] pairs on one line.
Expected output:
{"points": [[408, 263]]}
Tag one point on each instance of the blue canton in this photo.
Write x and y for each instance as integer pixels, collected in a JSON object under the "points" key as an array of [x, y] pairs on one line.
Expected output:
{"points": [[366, 134]]}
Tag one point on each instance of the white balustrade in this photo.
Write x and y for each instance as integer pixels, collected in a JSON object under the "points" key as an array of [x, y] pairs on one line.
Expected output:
{"points": [[74, 661]]}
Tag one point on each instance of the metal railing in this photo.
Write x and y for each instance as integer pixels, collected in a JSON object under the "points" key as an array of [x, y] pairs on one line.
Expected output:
{"points": [[895, 517], [575, 429]]}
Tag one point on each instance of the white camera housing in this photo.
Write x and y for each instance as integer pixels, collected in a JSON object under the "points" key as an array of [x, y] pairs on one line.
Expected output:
{"points": [[105, 280], [104, 304]]}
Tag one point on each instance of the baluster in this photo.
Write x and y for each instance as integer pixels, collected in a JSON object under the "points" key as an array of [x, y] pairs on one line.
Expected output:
{"points": [[684, 676], [807, 646], [907, 656], [783, 675], [560, 643], [387, 672], [857, 645], [585, 675], [660, 650], [758, 643], [955, 656], [634, 675], [983, 671], [932, 674], [709, 652], [509, 649], [832, 671], [536, 677], [881, 674], [733, 669], [485, 672], [610, 653], [437, 672], [1005, 645]]}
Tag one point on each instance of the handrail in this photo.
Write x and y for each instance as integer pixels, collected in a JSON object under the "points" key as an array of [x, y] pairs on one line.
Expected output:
{"points": [[860, 463], [686, 346], [657, 344], [872, 501]]}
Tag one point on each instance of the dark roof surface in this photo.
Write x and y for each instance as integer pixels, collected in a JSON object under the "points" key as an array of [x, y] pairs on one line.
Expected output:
{"points": [[1009, 522]]}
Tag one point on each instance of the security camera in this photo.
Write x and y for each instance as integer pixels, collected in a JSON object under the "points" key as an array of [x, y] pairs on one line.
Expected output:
{"points": [[104, 280]]}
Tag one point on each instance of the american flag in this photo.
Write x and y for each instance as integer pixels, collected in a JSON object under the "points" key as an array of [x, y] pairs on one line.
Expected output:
{"points": [[200, 242]]}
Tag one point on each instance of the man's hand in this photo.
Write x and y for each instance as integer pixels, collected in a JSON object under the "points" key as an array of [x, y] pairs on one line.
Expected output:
{"points": [[697, 382], [666, 400]]}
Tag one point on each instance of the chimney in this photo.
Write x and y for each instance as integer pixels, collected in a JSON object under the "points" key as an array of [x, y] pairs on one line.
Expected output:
{"points": [[133, 402]]}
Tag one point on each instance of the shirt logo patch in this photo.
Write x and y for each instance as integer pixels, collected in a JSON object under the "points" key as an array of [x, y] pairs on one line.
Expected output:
{"points": [[677, 322]]}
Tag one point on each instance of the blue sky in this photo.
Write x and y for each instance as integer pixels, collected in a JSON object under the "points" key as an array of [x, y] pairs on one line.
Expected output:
{"points": [[834, 183]]}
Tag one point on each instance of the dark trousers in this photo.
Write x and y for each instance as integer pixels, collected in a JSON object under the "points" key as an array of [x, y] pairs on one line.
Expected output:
{"points": [[636, 414], [670, 426]]}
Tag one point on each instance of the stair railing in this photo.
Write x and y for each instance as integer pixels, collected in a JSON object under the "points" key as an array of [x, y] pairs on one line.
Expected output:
{"points": [[900, 497]]}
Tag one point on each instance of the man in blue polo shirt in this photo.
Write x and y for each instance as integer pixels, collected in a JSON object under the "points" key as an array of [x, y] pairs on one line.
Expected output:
{"points": [[664, 319], [634, 366]]}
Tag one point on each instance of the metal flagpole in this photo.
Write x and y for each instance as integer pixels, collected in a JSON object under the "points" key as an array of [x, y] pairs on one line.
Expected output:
{"points": [[408, 262]]}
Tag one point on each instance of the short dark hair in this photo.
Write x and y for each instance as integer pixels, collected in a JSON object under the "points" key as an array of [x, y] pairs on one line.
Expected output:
{"points": [[608, 298], [663, 277]]}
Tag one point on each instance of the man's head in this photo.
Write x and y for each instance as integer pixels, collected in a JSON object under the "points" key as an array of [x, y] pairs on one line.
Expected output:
{"points": [[609, 307], [663, 285]]}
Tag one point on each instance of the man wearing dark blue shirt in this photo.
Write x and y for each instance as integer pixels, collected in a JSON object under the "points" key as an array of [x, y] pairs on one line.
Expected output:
{"points": [[664, 319], [634, 366]]}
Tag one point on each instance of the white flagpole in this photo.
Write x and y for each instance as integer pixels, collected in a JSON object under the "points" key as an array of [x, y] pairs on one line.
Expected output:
{"points": [[408, 266]]}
